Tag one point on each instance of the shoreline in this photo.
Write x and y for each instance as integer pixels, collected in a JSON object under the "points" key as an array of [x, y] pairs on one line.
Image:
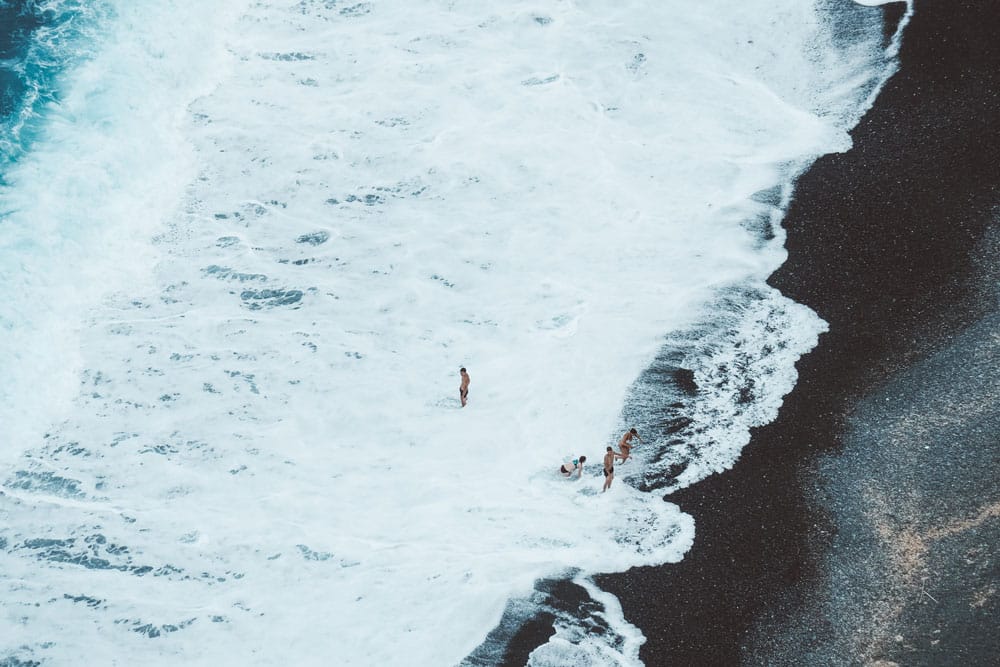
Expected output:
{"points": [[882, 244]]}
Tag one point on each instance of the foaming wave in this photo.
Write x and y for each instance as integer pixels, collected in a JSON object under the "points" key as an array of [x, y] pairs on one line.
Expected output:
{"points": [[266, 457], [106, 166], [40, 41], [714, 381], [594, 634]]}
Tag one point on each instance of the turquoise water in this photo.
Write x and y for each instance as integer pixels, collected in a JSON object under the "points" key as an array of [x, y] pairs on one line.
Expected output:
{"points": [[38, 43]]}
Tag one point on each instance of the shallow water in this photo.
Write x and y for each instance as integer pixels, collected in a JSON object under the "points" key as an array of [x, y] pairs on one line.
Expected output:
{"points": [[252, 246]]}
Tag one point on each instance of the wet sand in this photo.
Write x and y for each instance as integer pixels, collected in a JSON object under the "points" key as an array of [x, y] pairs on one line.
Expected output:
{"points": [[825, 543], [911, 574]]}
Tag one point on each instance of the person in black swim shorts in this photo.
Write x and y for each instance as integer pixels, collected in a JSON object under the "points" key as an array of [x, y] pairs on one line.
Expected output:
{"points": [[609, 469]]}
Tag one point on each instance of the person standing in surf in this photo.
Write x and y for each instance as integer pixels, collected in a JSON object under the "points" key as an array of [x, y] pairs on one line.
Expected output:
{"points": [[567, 469], [625, 444], [463, 388], [609, 469]]}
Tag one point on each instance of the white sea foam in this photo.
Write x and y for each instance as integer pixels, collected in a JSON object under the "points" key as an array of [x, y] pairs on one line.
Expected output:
{"points": [[743, 365], [591, 643], [79, 210], [267, 463]]}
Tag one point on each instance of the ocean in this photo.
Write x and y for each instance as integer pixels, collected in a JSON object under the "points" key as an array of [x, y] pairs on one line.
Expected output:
{"points": [[246, 247]]}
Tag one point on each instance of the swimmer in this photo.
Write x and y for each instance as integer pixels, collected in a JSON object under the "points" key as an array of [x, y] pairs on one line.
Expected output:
{"points": [[575, 466], [625, 444], [463, 389]]}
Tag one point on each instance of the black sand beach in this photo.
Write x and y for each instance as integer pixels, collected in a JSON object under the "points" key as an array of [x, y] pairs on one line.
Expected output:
{"points": [[861, 526]]}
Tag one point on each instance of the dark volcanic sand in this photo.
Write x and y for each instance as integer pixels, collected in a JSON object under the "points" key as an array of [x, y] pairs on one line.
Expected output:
{"points": [[910, 574], [892, 244]]}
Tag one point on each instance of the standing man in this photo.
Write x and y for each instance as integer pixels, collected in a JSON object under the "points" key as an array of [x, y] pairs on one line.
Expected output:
{"points": [[625, 444], [463, 389], [609, 469]]}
